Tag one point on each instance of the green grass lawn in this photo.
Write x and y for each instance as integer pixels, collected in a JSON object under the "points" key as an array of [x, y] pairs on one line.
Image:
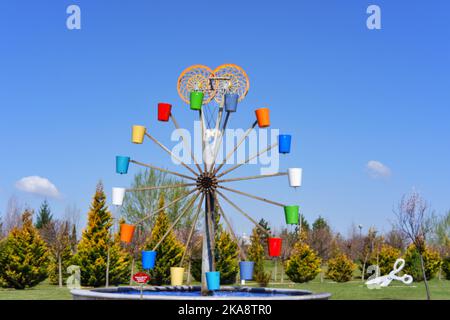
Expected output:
{"points": [[43, 291], [352, 290], [356, 290], [440, 289]]}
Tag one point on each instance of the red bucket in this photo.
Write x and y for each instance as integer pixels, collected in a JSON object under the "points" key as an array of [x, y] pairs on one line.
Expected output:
{"points": [[274, 247], [164, 111]]}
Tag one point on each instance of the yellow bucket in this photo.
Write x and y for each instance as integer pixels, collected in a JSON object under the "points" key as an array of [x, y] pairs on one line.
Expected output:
{"points": [[176, 276], [138, 134]]}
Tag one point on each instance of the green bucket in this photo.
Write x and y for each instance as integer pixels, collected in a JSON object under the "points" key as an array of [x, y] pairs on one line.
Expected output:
{"points": [[196, 100], [291, 214]]}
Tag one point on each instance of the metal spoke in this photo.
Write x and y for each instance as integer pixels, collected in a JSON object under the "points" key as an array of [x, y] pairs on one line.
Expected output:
{"points": [[248, 160], [217, 146], [194, 224], [162, 187], [163, 170], [166, 206], [237, 146], [255, 177], [253, 196], [185, 144], [218, 121], [202, 123], [243, 256], [171, 153], [210, 222], [242, 212], [186, 209]]}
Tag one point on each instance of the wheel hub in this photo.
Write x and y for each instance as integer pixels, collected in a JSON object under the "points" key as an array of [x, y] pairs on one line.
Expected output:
{"points": [[206, 182]]}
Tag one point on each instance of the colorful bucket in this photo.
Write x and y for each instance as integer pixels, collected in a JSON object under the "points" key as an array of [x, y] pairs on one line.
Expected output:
{"points": [[213, 280], [284, 143], [122, 164], [117, 196], [274, 245], [295, 177], [148, 259], [164, 110], [196, 100], [137, 134], [291, 214], [231, 101], [246, 270], [126, 232], [263, 117], [176, 276]]}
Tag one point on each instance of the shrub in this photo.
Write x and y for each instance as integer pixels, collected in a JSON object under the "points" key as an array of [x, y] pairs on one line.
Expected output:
{"points": [[446, 267], [262, 278], [23, 257], [431, 260], [304, 264], [196, 259], [226, 251], [386, 258], [256, 254], [340, 268]]}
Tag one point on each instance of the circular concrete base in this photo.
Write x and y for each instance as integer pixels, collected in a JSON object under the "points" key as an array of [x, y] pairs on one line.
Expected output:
{"points": [[193, 293]]}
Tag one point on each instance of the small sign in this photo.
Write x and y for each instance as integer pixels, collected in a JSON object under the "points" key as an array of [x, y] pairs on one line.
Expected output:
{"points": [[141, 277]]}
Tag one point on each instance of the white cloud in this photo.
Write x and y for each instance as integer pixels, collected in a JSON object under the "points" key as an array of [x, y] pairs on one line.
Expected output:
{"points": [[38, 185], [377, 169]]}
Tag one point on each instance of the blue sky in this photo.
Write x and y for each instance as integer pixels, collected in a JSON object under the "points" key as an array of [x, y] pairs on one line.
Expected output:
{"points": [[347, 94]]}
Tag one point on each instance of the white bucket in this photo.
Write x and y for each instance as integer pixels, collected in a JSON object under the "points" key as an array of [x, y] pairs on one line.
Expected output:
{"points": [[117, 196], [295, 177]]}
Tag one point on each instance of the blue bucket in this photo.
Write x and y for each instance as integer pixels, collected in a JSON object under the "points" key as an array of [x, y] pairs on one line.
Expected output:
{"points": [[284, 143], [246, 270], [231, 101], [148, 259], [122, 164], [213, 280]]}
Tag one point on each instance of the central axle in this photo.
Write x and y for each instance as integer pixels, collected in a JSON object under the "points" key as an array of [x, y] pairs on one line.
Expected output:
{"points": [[206, 182]]}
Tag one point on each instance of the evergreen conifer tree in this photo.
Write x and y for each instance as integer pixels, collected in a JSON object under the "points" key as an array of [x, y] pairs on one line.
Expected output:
{"points": [[169, 252], [44, 215], [24, 256], [92, 252], [263, 236], [256, 254], [304, 264], [73, 239]]}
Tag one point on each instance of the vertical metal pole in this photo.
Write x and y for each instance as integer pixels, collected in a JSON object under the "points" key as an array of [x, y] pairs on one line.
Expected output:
{"points": [[208, 244]]}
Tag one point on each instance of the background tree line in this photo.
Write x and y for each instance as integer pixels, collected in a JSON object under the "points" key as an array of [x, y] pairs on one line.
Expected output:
{"points": [[30, 253]]}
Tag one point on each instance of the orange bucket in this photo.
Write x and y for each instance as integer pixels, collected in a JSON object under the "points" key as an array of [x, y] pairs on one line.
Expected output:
{"points": [[126, 232], [263, 117]]}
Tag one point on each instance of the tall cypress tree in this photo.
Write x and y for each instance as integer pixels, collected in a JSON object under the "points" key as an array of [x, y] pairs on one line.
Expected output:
{"points": [[263, 237], [44, 215], [23, 256], [169, 252], [92, 251], [73, 239]]}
